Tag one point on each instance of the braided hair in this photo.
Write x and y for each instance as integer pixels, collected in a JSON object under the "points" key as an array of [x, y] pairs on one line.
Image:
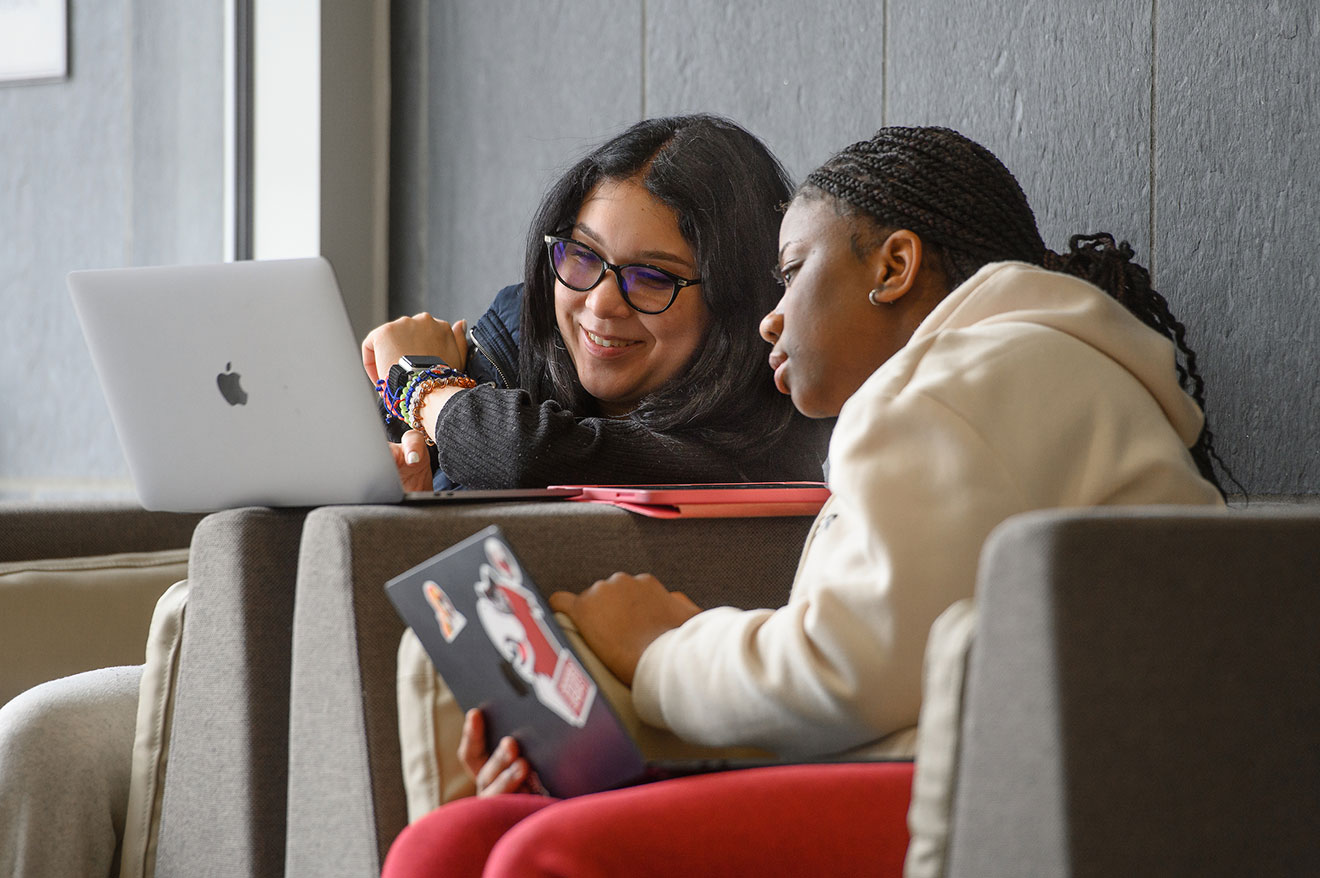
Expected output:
{"points": [[969, 210]]}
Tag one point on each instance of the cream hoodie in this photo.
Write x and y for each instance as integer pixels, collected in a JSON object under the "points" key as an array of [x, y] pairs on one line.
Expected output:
{"points": [[1024, 389]]}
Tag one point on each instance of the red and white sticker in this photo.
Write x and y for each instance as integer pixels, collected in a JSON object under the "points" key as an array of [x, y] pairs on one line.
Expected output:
{"points": [[515, 623]]}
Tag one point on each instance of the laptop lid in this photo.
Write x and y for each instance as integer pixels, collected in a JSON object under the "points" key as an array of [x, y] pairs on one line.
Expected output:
{"points": [[237, 384], [495, 642]]}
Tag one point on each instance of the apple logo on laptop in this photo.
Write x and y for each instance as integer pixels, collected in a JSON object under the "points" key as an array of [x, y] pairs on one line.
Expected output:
{"points": [[230, 388]]}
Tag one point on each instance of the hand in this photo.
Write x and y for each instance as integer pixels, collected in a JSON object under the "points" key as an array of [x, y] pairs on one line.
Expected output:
{"points": [[619, 617], [420, 334], [416, 476], [503, 771]]}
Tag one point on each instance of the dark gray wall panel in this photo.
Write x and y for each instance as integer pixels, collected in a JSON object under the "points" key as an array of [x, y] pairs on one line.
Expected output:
{"points": [[1059, 91], [1237, 174], [807, 78], [1086, 105], [410, 159], [514, 93]]}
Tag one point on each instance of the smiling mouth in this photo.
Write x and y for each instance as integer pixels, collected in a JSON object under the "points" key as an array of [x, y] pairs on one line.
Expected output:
{"points": [[608, 342]]}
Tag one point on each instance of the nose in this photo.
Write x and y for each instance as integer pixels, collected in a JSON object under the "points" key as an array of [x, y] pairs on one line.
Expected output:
{"points": [[772, 325], [605, 299]]}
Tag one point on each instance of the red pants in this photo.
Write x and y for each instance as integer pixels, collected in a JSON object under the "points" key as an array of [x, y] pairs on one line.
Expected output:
{"points": [[845, 819]]}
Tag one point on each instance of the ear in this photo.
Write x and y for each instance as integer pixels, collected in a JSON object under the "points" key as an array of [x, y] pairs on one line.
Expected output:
{"points": [[896, 263]]}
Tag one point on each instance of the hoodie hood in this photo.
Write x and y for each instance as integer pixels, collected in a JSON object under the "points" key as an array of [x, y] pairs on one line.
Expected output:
{"points": [[1016, 292]]}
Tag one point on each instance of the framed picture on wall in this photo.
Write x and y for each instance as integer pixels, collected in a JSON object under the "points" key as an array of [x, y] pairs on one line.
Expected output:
{"points": [[34, 40]]}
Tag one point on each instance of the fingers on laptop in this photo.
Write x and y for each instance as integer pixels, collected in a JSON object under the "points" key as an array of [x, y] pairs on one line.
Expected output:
{"points": [[503, 771], [412, 461]]}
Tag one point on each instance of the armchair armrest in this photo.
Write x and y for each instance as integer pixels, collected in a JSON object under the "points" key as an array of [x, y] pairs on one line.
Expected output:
{"points": [[224, 791], [346, 796], [31, 531], [1143, 696]]}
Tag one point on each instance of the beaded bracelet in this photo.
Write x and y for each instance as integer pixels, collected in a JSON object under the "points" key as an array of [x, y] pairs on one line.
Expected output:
{"points": [[406, 404], [393, 389], [408, 388]]}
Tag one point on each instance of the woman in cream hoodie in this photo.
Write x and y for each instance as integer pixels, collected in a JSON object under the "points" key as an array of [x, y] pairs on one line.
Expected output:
{"points": [[975, 375]]}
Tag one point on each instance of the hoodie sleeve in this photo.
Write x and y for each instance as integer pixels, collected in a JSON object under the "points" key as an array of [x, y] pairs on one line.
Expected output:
{"points": [[915, 492]]}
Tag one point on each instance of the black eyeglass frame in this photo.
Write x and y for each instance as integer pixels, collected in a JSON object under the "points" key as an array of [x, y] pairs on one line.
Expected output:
{"points": [[679, 282]]}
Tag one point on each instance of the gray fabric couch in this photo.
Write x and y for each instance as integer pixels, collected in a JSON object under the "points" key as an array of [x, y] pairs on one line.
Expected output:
{"points": [[78, 582], [346, 799], [1143, 697], [224, 802]]}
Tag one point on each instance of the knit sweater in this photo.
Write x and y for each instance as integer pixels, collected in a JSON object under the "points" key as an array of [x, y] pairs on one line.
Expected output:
{"points": [[1024, 389], [496, 436]]}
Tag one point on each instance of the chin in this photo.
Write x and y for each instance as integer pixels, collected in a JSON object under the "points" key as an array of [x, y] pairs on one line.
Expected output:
{"points": [[608, 398], [815, 407]]}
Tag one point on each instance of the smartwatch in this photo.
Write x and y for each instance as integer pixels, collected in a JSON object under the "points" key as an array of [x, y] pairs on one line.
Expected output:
{"points": [[416, 362]]}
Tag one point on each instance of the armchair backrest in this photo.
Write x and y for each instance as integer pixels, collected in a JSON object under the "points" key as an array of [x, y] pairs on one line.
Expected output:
{"points": [[1143, 697], [346, 799]]}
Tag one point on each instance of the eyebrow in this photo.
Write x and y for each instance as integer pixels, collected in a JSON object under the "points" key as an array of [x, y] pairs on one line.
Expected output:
{"points": [[661, 255], [780, 257]]}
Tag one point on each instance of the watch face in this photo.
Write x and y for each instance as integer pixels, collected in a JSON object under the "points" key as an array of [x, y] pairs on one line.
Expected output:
{"points": [[412, 363]]}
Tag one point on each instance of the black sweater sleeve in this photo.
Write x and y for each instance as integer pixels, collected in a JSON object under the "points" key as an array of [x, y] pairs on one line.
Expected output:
{"points": [[493, 438]]}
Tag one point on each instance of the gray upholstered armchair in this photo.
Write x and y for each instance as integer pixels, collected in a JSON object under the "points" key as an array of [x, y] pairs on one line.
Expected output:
{"points": [[346, 798], [1142, 697], [77, 585], [284, 738]]}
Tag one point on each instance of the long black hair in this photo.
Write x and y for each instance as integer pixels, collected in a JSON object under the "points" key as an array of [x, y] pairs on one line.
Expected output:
{"points": [[727, 189], [969, 210]]}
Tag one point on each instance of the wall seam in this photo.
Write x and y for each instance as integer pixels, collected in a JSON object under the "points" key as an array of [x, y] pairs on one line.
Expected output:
{"points": [[642, 77], [130, 219], [423, 267], [1154, 66], [884, 64]]}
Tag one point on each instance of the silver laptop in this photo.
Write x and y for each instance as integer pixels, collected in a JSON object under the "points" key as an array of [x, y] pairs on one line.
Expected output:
{"points": [[237, 384]]}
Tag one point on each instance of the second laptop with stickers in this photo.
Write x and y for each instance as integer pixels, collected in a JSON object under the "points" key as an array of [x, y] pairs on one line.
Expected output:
{"points": [[497, 645]]}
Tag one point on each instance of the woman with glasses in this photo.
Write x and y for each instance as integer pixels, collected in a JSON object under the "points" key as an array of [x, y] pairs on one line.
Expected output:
{"points": [[975, 375], [629, 353]]}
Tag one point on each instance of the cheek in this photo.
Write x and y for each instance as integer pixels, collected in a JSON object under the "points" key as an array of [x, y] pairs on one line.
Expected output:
{"points": [[565, 304], [678, 338], [812, 340]]}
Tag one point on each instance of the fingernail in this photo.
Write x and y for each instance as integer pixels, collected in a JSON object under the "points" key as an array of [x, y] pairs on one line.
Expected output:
{"points": [[414, 457]]}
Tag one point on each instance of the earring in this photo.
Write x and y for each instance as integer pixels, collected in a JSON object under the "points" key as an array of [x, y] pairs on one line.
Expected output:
{"points": [[874, 298]]}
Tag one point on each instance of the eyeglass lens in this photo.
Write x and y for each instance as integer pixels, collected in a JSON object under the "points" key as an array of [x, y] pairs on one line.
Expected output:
{"points": [[580, 268]]}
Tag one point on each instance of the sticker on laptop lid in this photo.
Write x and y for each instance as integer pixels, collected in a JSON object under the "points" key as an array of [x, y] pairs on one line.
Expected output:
{"points": [[447, 616], [515, 623]]}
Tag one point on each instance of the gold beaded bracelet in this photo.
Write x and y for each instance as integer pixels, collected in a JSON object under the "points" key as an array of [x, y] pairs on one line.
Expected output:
{"points": [[425, 386]]}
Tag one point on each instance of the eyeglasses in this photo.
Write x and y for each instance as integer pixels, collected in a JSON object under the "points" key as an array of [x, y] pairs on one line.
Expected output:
{"points": [[645, 288]]}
